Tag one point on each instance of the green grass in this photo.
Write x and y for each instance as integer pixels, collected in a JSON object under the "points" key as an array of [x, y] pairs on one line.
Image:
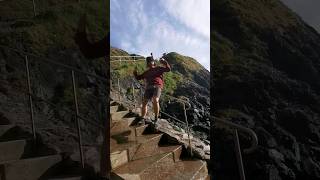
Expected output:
{"points": [[124, 70], [183, 68], [171, 79], [184, 61], [55, 23]]}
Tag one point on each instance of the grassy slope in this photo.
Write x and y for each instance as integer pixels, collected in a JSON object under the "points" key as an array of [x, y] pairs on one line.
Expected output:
{"points": [[55, 24], [50, 34], [183, 68]]}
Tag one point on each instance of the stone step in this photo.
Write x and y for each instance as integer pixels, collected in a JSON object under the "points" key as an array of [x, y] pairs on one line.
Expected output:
{"points": [[186, 169], [176, 149], [5, 128], [114, 109], [114, 103], [202, 173], [130, 131], [119, 115], [117, 125], [139, 130], [27, 169], [123, 150], [11, 150], [66, 178], [136, 110], [145, 168]]}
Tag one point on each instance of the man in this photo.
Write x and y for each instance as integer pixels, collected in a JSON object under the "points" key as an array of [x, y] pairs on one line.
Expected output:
{"points": [[154, 84]]}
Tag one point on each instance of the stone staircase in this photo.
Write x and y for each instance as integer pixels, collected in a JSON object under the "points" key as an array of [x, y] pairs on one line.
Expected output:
{"points": [[138, 153], [24, 159]]}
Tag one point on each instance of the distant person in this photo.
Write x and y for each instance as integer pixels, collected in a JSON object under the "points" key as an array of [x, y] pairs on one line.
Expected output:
{"points": [[153, 77]]}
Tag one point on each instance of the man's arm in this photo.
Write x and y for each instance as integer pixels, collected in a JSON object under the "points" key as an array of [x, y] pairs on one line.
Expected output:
{"points": [[138, 77], [167, 66]]}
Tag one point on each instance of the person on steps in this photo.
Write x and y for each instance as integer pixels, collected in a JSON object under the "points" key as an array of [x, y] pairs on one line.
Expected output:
{"points": [[153, 77]]}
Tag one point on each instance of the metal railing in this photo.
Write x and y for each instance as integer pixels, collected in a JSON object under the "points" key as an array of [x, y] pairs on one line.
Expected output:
{"points": [[228, 124], [254, 137], [184, 101], [126, 58], [250, 132], [76, 111]]}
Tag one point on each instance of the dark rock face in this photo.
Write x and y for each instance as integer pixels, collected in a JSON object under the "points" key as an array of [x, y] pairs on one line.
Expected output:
{"points": [[194, 86], [54, 122], [199, 113], [266, 66]]}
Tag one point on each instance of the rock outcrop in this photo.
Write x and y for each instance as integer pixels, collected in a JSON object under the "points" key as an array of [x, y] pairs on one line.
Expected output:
{"points": [[187, 79], [266, 76]]}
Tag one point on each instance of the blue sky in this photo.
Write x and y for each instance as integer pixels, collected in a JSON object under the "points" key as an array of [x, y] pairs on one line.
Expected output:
{"points": [[159, 26]]}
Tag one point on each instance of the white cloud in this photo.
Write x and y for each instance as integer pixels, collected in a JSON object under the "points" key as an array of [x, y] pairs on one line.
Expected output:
{"points": [[114, 4], [165, 38], [141, 33], [193, 13]]}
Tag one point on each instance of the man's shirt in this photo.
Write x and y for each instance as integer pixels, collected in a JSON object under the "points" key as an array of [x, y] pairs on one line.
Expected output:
{"points": [[154, 76]]}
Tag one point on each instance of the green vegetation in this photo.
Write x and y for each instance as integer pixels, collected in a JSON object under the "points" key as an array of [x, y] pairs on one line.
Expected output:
{"points": [[55, 23], [171, 79], [185, 62], [182, 69]]}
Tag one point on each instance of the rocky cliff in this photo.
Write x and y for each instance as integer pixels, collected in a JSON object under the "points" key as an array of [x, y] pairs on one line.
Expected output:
{"points": [[188, 79], [50, 36], [266, 65]]}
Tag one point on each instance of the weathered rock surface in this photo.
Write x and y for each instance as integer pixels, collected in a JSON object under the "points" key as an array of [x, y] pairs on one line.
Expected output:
{"points": [[267, 77]]}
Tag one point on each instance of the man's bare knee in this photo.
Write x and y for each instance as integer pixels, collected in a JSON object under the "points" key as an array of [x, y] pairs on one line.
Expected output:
{"points": [[155, 100], [145, 102]]}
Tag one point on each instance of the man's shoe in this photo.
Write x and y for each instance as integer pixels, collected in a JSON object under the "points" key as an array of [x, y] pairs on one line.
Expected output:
{"points": [[148, 120], [141, 121]]}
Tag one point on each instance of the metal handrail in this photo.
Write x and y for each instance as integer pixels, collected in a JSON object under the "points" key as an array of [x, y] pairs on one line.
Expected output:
{"points": [[128, 56], [132, 58], [68, 110], [127, 60], [49, 61], [39, 99], [73, 70], [183, 101], [254, 137], [132, 103]]}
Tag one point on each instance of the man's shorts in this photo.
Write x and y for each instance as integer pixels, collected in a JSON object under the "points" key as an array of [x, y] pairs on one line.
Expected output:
{"points": [[153, 91]]}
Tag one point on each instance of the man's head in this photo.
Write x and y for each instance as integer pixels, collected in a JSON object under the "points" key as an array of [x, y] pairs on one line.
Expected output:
{"points": [[150, 62]]}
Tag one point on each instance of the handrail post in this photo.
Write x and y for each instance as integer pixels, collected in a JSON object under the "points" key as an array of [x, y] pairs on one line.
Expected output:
{"points": [[77, 118], [34, 8], [119, 90], [188, 130], [30, 99], [133, 96], [254, 138], [238, 154], [141, 99]]}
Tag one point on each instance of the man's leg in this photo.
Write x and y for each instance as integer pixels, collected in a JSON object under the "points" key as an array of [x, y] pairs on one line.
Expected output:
{"points": [[144, 108], [156, 107]]}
